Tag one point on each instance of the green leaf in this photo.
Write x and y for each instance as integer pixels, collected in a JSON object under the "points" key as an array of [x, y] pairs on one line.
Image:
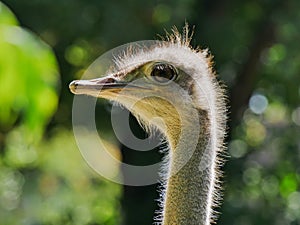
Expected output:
{"points": [[29, 83]]}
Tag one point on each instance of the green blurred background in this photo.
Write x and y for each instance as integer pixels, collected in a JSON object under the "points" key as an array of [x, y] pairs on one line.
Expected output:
{"points": [[45, 44]]}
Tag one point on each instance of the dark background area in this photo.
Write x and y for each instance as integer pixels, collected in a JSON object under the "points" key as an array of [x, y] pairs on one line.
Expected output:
{"points": [[256, 53]]}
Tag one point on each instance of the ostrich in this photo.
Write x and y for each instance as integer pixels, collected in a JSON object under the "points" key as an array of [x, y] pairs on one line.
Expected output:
{"points": [[176, 83]]}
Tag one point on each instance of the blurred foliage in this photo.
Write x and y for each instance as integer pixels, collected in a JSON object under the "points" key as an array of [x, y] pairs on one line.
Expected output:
{"points": [[59, 189], [256, 48], [28, 77], [41, 181]]}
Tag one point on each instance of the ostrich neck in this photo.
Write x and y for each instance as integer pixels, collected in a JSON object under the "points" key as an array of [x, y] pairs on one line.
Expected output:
{"points": [[188, 191]]}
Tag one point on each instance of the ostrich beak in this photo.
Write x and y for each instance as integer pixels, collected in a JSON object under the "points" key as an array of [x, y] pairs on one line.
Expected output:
{"points": [[95, 86]]}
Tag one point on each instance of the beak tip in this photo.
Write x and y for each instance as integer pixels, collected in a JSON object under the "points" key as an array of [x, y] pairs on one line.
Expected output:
{"points": [[72, 86]]}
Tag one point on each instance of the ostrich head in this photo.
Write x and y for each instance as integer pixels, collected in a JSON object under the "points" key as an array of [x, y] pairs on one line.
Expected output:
{"points": [[162, 85]]}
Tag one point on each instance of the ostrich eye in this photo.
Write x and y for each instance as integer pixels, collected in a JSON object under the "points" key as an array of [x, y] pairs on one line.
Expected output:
{"points": [[163, 73]]}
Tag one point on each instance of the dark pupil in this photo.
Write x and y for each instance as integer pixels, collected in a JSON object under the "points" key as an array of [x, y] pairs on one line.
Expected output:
{"points": [[163, 73]]}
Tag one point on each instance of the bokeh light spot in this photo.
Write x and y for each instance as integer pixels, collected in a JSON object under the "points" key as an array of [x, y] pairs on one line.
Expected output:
{"points": [[277, 52], [288, 184], [255, 132], [237, 148], [296, 116], [252, 176], [76, 55], [258, 103], [270, 187], [294, 201], [276, 113], [273, 55]]}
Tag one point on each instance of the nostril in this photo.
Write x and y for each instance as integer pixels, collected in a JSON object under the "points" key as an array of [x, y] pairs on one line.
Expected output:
{"points": [[107, 80], [110, 80]]}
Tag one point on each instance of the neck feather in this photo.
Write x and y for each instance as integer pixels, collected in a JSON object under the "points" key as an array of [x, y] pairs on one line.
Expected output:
{"points": [[190, 189]]}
